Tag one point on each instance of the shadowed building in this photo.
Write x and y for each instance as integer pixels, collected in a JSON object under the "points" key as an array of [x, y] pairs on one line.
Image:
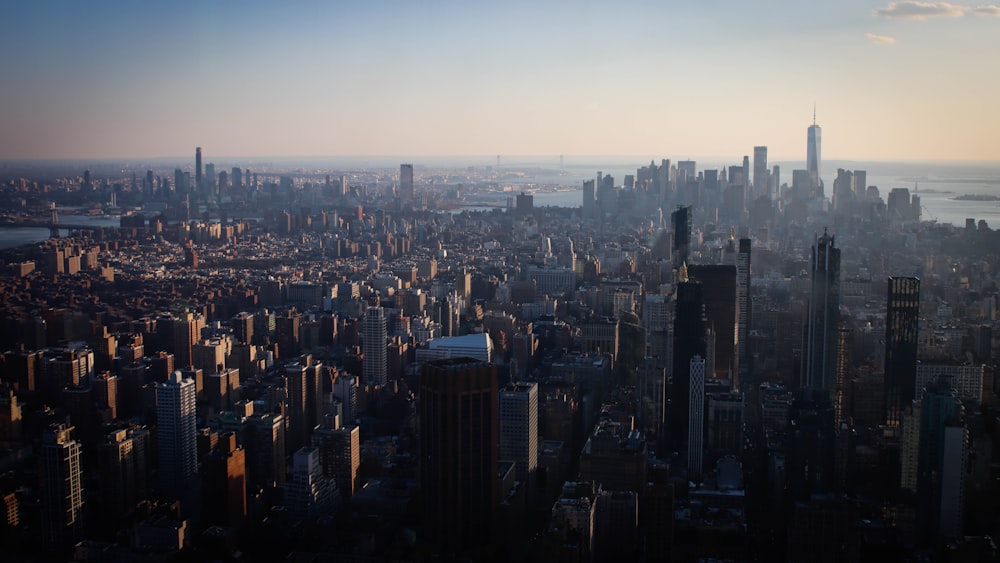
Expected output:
{"points": [[458, 454], [902, 317]]}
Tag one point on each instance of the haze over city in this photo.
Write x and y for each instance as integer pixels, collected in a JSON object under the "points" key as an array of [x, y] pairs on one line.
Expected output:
{"points": [[899, 80], [449, 282]]}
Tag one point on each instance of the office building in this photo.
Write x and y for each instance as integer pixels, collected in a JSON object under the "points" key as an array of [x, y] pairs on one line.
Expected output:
{"points": [[761, 182], [965, 379], [696, 418], [519, 428], [176, 434], [62, 489], [458, 454], [681, 220], [811, 445], [814, 146], [198, 178], [375, 366], [941, 471], [718, 282], [822, 323], [689, 341], [406, 183], [902, 319]]}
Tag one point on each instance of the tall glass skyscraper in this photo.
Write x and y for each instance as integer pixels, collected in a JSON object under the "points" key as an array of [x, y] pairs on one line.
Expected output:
{"points": [[820, 368], [814, 154], [902, 317], [458, 412]]}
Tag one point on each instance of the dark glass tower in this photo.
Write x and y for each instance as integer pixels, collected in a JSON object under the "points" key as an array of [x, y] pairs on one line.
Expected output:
{"points": [[197, 168], [811, 444], [719, 293], [689, 341], [820, 358], [902, 316], [458, 454], [681, 219], [814, 146]]}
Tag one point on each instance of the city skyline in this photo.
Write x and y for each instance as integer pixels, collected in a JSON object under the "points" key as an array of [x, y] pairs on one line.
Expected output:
{"points": [[114, 80]]}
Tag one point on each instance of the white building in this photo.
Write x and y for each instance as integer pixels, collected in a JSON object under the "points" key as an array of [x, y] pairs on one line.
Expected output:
{"points": [[176, 433], [518, 416]]}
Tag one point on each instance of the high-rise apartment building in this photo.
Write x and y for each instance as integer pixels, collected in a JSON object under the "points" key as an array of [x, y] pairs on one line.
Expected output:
{"points": [[265, 444], [519, 428], [822, 323], [744, 309], [458, 453], [176, 434], [340, 456], [375, 366], [902, 319], [224, 476], [62, 489], [124, 463]]}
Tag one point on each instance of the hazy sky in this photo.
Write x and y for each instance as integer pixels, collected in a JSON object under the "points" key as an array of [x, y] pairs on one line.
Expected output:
{"points": [[708, 78]]}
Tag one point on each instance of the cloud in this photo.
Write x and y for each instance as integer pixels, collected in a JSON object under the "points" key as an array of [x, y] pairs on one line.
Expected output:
{"points": [[911, 10], [987, 10], [880, 39]]}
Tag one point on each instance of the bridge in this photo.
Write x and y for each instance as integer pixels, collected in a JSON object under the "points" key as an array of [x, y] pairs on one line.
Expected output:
{"points": [[53, 227]]}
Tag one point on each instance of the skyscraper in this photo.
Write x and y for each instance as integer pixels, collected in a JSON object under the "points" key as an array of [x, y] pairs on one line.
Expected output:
{"points": [[340, 455], [761, 182], [176, 433], [811, 444], [197, 169], [814, 156], [696, 417], [519, 428], [718, 283], [902, 316], [375, 366], [744, 308], [689, 341], [406, 183], [458, 453], [941, 470], [820, 369], [681, 220], [62, 489]]}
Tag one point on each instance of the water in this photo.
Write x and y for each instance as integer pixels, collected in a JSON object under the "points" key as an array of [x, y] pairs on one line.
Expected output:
{"points": [[16, 236]]}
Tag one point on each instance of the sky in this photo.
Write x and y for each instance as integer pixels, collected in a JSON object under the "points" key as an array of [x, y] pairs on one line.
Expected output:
{"points": [[709, 79]]}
